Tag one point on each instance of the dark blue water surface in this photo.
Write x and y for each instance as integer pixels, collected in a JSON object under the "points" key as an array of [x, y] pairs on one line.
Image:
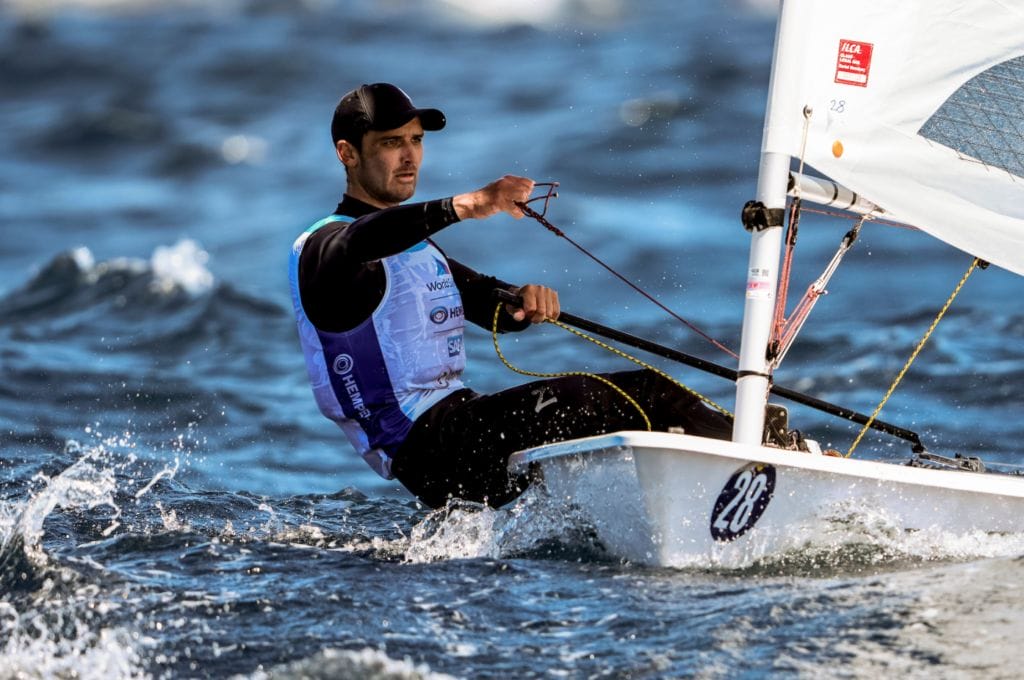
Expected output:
{"points": [[173, 505]]}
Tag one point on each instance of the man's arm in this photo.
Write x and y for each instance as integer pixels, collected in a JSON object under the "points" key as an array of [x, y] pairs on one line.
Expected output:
{"points": [[341, 257], [505, 195], [539, 302], [477, 301], [382, 233], [501, 195], [391, 230]]}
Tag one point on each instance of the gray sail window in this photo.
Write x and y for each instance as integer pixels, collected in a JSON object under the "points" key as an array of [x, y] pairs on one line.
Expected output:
{"points": [[984, 119]]}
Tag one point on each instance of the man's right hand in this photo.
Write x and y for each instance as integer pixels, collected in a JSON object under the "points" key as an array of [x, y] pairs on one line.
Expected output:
{"points": [[499, 196]]}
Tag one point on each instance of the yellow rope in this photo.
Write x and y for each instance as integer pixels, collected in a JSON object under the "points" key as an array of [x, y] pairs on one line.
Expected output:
{"points": [[613, 350], [641, 363], [913, 356], [609, 383]]}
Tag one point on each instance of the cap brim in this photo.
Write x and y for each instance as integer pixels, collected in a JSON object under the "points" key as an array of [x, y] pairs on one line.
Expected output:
{"points": [[431, 119]]}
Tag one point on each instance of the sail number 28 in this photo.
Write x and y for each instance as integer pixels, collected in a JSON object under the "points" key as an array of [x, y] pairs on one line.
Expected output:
{"points": [[742, 501]]}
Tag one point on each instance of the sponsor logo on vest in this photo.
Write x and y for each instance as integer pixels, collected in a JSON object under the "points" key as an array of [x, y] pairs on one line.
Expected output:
{"points": [[442, 284], [455, 345], [355, 396], [439, 314], [442, 268], [342, 364]]}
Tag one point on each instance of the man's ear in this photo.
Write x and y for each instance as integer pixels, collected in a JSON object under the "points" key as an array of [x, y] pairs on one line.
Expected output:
{"points": [[347, 153]]}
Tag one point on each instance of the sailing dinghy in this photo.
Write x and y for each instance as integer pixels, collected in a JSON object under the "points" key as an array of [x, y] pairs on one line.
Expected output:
{"points": [[912, 111]]}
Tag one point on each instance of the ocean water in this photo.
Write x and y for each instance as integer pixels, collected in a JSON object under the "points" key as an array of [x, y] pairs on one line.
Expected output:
{"points": [[173, 505]]}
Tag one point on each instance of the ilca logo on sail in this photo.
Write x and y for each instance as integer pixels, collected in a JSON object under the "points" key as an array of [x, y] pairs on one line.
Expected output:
{"points": [[853, 65]]}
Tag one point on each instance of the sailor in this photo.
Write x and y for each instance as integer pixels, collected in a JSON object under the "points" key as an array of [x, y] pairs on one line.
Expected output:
{"points": [[381, 312]]}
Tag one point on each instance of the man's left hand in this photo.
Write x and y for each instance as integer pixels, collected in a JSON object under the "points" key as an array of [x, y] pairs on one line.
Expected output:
{"points": [[540, 303]]}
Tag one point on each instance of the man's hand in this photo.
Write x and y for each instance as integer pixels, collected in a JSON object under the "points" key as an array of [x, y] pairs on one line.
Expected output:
{"points": [[539, 304], [499, 196]]}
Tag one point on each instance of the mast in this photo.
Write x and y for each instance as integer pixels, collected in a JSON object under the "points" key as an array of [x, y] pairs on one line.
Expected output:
{"points": [[766, 240]]}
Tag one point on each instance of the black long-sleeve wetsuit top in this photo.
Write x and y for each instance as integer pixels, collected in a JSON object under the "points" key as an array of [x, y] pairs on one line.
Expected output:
{"points": [[341, 279]]}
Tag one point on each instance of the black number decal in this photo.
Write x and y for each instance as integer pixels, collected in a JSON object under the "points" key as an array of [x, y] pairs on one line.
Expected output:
{"points": [[742, 501]]}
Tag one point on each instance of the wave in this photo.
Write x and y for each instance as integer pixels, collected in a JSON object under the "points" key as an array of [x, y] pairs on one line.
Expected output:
{"points": [[367, 663], [133, 304], [73, 280], [104, 654], [91, 482], [198, 567], [858, 540], [533, 527], [53, 622]]}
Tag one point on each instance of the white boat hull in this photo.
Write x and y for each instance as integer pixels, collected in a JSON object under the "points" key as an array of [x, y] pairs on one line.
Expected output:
{"points": [[677, 500]]}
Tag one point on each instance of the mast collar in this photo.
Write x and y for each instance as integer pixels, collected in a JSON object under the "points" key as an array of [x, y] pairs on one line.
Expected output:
{"points": [[756, 217]]}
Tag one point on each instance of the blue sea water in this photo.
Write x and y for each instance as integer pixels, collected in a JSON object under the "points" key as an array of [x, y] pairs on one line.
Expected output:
{"points": [[173, 505]]}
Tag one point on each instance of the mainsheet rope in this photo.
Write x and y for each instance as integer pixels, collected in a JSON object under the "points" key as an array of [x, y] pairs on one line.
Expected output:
{"points": [[539, 217]]}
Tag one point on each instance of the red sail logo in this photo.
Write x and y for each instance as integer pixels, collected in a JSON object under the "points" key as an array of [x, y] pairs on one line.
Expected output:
{"points": [[853, 63]]}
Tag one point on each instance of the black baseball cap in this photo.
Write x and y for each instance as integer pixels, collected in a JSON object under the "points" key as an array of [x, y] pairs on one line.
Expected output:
{"points": [[380, 106]]}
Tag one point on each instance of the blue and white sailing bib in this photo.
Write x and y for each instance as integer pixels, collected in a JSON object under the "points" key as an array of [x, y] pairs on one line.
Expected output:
{"points": [[377, 378]]}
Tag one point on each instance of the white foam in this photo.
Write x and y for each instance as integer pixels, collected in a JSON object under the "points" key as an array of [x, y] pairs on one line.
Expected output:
{"points": [[854, 537], [86, 484], [183, 266], [54, 634], [104, 654], [857, 537], [83, 258], [467, 530], [371, 664]]}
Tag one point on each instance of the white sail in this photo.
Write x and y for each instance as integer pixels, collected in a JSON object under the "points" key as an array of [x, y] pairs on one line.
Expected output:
{"points": [[917, 105]]}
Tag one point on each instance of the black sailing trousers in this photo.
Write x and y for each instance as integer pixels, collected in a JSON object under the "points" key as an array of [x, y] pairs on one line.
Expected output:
{"points": [[460, 447]]}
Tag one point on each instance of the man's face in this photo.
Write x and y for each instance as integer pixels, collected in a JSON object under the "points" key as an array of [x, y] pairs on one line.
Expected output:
{"points": [[384, 172]]}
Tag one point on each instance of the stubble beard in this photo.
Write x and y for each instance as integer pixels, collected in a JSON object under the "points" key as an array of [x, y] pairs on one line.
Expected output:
{"points": [[395, 193], [404, 192]]}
